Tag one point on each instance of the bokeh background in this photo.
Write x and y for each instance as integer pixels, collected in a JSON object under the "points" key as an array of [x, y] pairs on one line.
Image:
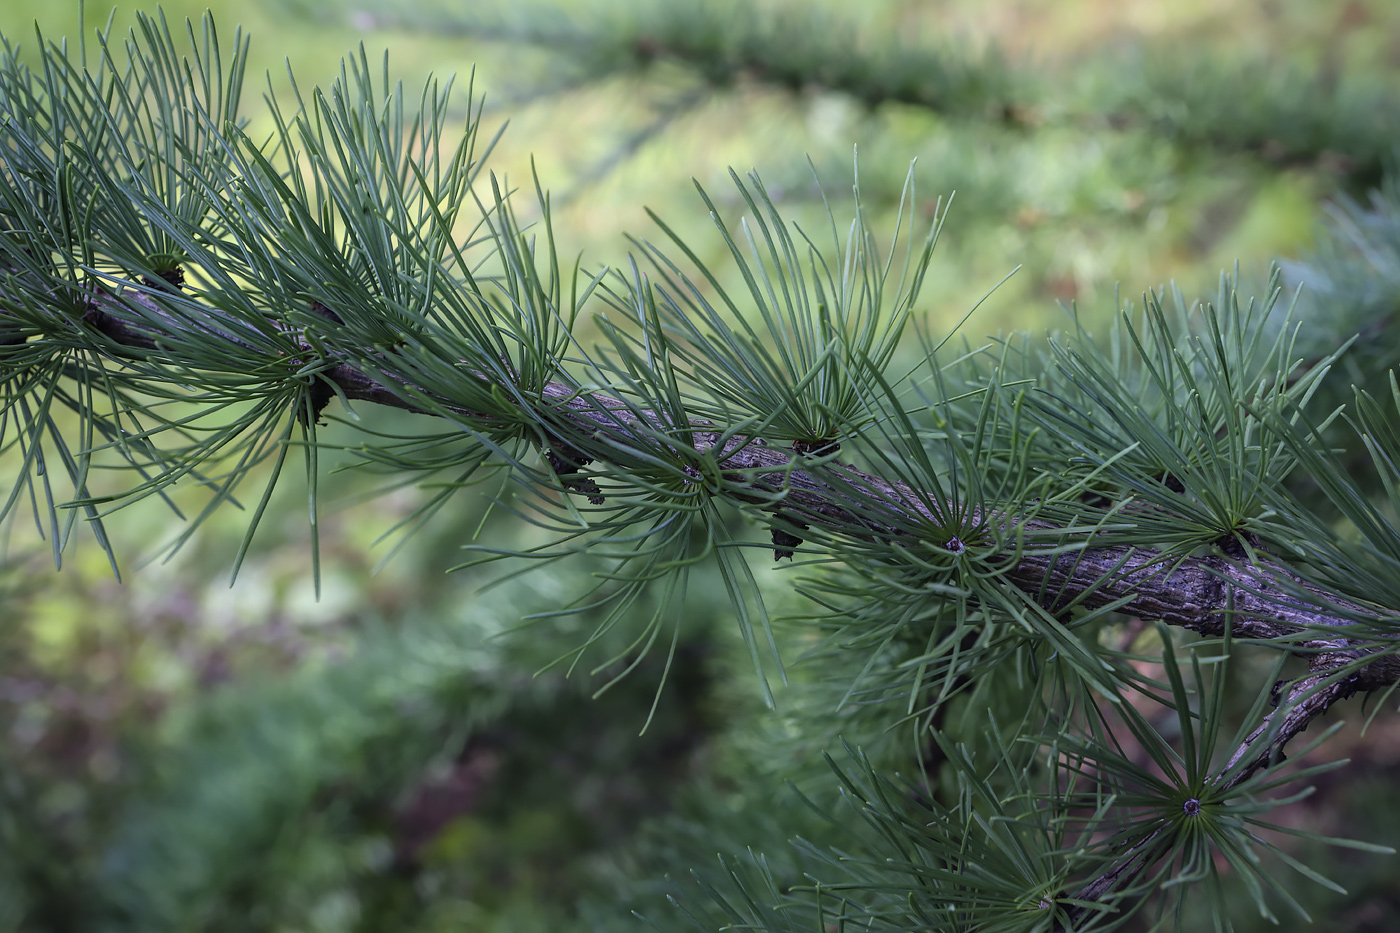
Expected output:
{"points": [[182, 752]]}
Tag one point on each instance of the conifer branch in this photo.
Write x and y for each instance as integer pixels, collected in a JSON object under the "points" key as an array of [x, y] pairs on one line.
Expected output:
{"points": [[352, 282], [1200, 594], [1203, 594], [1307, 699]]}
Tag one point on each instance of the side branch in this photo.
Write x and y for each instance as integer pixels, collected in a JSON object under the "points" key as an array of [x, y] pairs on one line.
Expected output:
{"points": [[1308, 699]]}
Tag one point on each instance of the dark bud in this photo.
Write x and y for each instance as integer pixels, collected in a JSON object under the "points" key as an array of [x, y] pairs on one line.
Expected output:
{"points": [[784, 541], [817, 447], [566, 463], [326, 313], [319, 395], [173, 278], [589, 489], [90, 307], [1095, 500], [1231, 546]]}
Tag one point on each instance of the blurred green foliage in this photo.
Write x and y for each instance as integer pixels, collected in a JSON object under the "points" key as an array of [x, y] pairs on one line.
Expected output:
{"points": [[190, 755]]}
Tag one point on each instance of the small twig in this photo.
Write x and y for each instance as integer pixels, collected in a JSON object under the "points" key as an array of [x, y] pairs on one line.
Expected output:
{"points": [[1308, 699]]}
